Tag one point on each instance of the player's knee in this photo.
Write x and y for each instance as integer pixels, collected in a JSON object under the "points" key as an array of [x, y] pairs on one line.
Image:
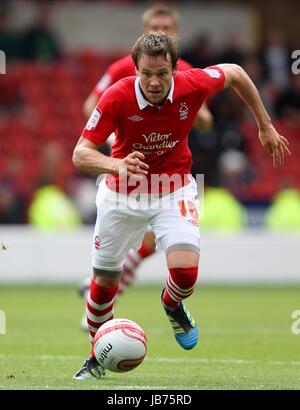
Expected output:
{"points": [[177, 258], [106, 278]]}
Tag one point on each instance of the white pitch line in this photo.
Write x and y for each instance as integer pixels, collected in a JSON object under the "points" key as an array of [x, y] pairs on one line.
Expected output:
{"points": [[224, 361], [42, 357], [93, 386], [147, 387], [110, 387], [168, 360]]}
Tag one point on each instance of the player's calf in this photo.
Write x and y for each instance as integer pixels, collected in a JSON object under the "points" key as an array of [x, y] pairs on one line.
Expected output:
{"points": [[100, 303], [180, 285]]}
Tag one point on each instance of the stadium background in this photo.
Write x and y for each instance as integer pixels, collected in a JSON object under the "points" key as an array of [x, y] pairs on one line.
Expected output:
{"points": [[57, 51], [247, 299]]}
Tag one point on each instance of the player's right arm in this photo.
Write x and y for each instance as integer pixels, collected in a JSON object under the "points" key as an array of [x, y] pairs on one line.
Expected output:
{"points": [[103, 121], [87, 158]]}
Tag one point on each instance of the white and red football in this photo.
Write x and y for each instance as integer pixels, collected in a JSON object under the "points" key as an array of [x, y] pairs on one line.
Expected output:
{"points": [[120, 345]]}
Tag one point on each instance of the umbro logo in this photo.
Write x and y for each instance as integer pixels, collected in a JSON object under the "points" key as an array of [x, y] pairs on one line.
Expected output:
{"points": [[135, 118]]}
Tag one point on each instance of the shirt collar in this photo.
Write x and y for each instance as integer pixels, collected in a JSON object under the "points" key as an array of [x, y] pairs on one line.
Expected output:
{"points": [[142, 102]]}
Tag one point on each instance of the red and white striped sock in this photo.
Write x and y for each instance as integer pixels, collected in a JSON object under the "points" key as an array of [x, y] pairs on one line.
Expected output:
{"points": [[132, 261], [180, 285], [99, 306]]}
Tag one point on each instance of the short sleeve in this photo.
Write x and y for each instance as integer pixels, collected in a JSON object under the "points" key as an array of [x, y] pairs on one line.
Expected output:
{"points": [[103, 120], [209, 80]]}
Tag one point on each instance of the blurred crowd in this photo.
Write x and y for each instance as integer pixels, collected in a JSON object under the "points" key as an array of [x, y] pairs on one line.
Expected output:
{"points": [[35, 148], [35, 42]]}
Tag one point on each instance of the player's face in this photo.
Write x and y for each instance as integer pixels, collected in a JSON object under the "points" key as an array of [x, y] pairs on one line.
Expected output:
{"points": [[166, 24], [155, 75]]}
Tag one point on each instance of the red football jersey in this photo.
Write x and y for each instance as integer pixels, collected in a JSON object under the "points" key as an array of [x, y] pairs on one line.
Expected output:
{"points": [[161, 134], [125, 68]]}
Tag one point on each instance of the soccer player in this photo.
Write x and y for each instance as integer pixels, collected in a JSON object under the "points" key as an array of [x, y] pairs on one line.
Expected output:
{"points": [[160, 17], [165, 102]]}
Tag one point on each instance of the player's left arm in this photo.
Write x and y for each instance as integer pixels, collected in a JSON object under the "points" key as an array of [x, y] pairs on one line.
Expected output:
{"points": [[272, 141]]}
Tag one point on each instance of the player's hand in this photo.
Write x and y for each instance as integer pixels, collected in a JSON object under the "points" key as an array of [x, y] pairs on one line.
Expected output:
{"points": [[275, 144], [133, 165]]}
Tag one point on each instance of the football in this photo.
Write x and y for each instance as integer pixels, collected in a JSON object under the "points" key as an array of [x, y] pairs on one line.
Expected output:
{"points": [[120, 345]]}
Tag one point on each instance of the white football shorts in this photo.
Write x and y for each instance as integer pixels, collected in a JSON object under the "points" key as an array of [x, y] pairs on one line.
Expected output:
{"points": [[122, 221]]}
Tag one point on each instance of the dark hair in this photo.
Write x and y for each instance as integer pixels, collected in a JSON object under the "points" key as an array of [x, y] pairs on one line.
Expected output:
{"points": [[155, 44]]}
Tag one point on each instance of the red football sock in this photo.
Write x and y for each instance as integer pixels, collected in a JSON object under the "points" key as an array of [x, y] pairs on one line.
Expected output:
{"points": [[145, 251], [99, 307], [180, 285]]}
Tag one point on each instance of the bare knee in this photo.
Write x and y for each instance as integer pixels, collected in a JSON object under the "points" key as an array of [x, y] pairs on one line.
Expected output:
{"points": [[182, 259], [149, 241], [106, 279]]}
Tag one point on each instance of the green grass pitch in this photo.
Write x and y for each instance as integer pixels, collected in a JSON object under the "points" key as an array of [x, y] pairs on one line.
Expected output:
{"points": [[245, 342]]}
